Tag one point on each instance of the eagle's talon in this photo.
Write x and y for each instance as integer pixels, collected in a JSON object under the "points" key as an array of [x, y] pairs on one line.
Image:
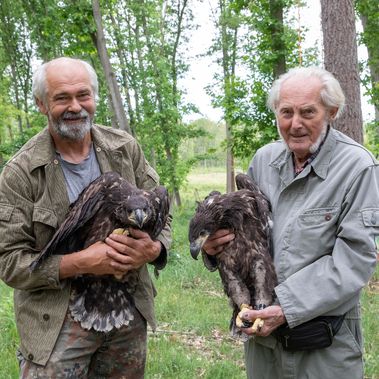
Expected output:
{"points": [[118, 276], [246, 324], [257, 325], [240, 322], [259, 307], [121, 231]]}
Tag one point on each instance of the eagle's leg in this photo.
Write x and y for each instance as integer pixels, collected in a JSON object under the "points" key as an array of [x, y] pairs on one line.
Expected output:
{"points": [[240, 322], [263, 290], [263, 284], [236, 291]]}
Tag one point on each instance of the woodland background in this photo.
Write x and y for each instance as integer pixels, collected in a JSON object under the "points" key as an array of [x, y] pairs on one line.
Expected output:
{"points": [[139, 49]]}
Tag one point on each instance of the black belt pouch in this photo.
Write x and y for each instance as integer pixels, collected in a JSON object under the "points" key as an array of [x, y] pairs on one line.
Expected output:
{"points": [[314, 334]]}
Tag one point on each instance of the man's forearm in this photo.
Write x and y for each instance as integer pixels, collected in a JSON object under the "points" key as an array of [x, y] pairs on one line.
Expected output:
{"points": [[71, 265]]}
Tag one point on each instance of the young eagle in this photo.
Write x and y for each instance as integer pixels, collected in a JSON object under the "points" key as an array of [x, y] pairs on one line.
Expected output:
{"points": [[109, 204], [245, 265]]}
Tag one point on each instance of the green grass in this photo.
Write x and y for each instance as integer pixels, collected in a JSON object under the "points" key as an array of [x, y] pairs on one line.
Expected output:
{"points": [[192, 340]]}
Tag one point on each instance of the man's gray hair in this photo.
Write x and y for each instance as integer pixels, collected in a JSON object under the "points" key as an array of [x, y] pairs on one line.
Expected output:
{"points": [[39, 86], [331, 93]]}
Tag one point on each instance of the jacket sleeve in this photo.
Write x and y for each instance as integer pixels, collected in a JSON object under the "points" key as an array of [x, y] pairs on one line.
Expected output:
{"points": [[18, 243], [332, 284]]}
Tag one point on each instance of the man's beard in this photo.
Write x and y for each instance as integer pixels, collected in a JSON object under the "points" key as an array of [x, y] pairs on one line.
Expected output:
{"points": [[320, 138], [314, 147], [72, 131]]}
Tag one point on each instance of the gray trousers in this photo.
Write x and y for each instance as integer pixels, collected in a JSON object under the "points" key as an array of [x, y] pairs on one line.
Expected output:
{"points": [[266, 359]]}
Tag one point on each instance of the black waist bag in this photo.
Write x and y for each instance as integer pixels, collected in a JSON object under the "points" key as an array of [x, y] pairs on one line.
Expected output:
{"points": [[314, 334]]}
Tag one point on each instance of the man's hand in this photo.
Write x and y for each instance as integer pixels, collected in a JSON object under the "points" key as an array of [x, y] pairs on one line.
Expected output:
{"points": [[272, 316], [216, 242], [92, 260], [133, 251]]}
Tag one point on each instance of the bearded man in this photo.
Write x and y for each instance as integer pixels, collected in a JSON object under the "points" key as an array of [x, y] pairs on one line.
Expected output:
{"points": [[37, 187], [324, 192]]}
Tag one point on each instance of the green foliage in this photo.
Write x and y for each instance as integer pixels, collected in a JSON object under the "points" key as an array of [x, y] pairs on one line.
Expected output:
{"points": [[371, 139], [8, 149], [369, 13], [265, 47], [8, 335], [206, 149]]}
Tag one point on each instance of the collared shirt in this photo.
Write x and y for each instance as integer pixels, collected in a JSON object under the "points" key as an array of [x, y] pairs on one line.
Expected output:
{"points": [[311, 158]]}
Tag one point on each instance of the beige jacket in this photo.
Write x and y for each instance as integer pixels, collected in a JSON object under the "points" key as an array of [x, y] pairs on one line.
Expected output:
{"points": [[33, 203]]}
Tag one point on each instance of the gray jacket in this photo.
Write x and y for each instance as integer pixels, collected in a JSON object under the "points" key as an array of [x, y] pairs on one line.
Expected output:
{"points": [[325, 223], [33, 203]]}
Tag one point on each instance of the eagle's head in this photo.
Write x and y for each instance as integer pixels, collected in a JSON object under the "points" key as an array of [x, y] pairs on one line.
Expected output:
{"points": [[205, 222], [135, 211]]}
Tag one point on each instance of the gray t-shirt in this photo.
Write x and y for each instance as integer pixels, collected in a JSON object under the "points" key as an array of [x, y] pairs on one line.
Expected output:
{"points": [[79, 175]]}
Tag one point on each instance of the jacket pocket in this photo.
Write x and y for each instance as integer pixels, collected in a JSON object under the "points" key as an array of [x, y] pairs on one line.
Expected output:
{"points": [[44, 224], [318, 216], [371, 217], [313, 235], [6, 211], [45, 216]]}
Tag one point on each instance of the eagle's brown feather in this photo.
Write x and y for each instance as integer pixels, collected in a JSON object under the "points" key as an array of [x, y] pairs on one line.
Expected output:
{"points": [[108, 203], [245, 265]]}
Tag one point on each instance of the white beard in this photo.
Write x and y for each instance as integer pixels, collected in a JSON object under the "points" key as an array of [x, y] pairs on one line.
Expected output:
{"points": [[313, 148], [74, 132]]}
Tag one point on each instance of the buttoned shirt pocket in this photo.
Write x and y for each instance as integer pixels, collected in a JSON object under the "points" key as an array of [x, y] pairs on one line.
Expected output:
{"points": [[371, 217], [44, 224], [313, 234], [318, 216]]}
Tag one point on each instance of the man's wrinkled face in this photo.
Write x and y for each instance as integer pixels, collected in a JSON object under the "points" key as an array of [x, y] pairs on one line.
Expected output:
{"points": [[302, 118], [70, 102]]}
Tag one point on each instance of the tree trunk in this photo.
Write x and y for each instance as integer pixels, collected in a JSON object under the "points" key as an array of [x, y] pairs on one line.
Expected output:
{"points": [[277, 41], [341, 59], [123, 63], [229, 53], [230, 183], [116, 100]]}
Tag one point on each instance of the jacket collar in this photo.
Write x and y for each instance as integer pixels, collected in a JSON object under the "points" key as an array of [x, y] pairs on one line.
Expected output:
{"points": [[284, 163], [44, 148]]}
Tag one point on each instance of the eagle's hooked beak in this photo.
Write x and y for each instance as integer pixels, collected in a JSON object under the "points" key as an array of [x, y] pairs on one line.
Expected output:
{"points": [[196, 245], [138, 217]]}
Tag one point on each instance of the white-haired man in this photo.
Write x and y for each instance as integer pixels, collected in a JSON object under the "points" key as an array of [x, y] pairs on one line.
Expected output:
{"points": [[36, 188], [324, 192]]}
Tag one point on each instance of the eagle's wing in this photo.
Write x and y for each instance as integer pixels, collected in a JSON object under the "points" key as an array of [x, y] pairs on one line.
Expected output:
{"points": [[161, 203], [86, 206], [244, 181]]}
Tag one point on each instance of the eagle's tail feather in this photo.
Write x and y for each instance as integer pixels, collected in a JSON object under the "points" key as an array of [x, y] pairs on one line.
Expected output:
{"points": [[99, 319]]}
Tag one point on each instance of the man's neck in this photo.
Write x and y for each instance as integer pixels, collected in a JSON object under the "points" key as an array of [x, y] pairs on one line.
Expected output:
{"points": [[73, 151]]}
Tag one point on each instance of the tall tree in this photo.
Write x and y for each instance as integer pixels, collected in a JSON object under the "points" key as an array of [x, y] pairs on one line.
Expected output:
{"points": [[265, 47], [114, 91], [341, 59], [229, 23], [17, 50]]}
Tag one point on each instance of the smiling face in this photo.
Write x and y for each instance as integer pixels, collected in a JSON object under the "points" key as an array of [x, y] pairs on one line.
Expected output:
{"points": [[70, 102], [302, 117]]}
